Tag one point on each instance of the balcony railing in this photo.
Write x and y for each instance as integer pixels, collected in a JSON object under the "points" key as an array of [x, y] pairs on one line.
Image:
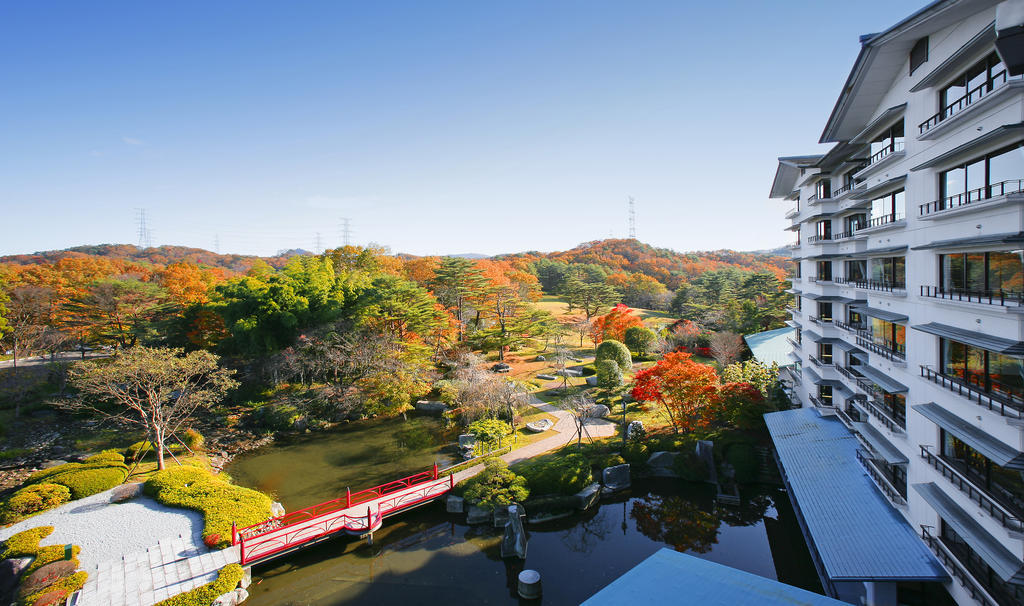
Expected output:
{"points": [[984, 89], [882, 220], [895, 423], [1003, 188], [848, 327], [894, 495], [819, 320], [977, 495], [843, 190], [952, 563], [819, 278], [793, 310], [793, 342], [880, 285], [819, 362], [895, 146], [1004, 298], [818, 401], [819, 238], [792, 212], [1008, 404], [846, 234], [884, 347]]}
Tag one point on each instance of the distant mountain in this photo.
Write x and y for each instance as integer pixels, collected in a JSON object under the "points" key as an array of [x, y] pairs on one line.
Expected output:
{"points": [[157, 255], [469, 256]]}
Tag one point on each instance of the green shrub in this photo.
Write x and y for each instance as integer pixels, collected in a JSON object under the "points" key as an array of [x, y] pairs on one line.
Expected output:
{"points": [[616, 351], [192, 438], [447, 392], [639, 339], [612, 460], [106, 456], [14, 453], [636, 452], [609, 375], [558, 473], [489, 431], [25, 543], [220, 503], [60, 588], [84, 479], [33, 499], [145, 446], [227, 580], [275, 416], [52, 553], [496, 486]]}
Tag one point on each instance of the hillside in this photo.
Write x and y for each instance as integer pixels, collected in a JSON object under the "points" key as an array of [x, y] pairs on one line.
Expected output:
{"points": [[158, 255]]}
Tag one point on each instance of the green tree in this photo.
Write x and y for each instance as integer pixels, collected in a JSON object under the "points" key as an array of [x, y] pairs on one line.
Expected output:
{"points": [[551, 274], [609, 375], [640, 339], [398, 306], [496, 486], [761, 376], [591, 298], [615, 351], [121, 312], [262, 314], [457, 282], [158, 389], [489, 432]]}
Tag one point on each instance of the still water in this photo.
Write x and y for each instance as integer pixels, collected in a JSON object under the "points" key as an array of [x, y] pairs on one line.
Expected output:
{"points": [[427, 556]]}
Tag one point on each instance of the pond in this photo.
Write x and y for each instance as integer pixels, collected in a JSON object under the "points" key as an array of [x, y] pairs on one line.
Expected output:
{"points": [[429, 556]]}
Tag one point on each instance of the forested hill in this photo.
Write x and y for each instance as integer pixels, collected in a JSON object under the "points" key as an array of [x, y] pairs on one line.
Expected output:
{"points": [[158, 255], [667, 266]]}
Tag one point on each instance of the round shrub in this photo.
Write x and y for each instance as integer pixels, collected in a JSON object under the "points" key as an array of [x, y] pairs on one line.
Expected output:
{"points": [[106, 456], [613, 460], [25, 543], [609, 375], [496, 486], [557, 474], [614, 350], [83, 479], [35, 498], [636, 452], [639, 339], [227, 579], [192, 438], [46, 576], [489, 431], [147, 449]]}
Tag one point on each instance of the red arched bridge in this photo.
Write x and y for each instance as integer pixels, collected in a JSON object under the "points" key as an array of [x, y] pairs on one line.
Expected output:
{"points": [[357, 513]]}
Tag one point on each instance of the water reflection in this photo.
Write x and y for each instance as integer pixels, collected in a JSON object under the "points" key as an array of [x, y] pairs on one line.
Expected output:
{"points": [[676, 522]]}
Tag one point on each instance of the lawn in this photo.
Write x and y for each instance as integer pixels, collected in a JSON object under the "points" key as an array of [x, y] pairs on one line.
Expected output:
{"points": [[525, 437]]}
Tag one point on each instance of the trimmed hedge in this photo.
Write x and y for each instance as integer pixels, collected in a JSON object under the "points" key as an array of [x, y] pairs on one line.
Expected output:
{"points": [[497, 486], [220, 503], [33, 499], [204, 595], [610, 349], [26, 544], [100, 472], [60, 589], [558, 473], [106, 456]]}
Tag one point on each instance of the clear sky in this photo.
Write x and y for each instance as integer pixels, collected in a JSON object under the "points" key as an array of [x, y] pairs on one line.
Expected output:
{"points": [[436, 127]]}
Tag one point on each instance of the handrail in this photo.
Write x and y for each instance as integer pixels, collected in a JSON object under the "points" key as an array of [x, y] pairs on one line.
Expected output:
{"points": [[854, 328], [1002, 188], [887, 349], [878, 411], [870, 284], [989, 86], [977, 494], [794, 343], [990, 297], [891, 492], [1006, 404], [953, 563], [842, 190], [819, 238], [893, 147], [882, 220]]}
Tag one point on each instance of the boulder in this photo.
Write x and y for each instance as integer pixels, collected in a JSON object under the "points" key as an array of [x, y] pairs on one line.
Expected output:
{"points": [[541, 359], [227, 599], [52, 463], [598, 411], [616, 477], [586, 498], [276, 509], [125, 492], [477, 515], [547, 377], [46, 575], [241, 595], [10, 573], [513, 544], [662, 464], [246, 577], [455, 504], [431, 406], [592, 381], [500, 517]]}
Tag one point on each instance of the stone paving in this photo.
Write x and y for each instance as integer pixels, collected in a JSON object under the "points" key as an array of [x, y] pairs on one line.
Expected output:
{"points": [[143, 578]]}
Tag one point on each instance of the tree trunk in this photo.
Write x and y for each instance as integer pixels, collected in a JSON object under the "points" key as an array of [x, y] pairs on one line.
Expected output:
{"points": [[158, 442]]}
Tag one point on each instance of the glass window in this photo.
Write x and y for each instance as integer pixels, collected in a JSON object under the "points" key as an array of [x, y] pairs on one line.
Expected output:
{"points": [[825, 353], [1005, 373], [824, 188], [825, 394], [1006, 271], [918, 54], [825, 311], [952, 183], [991, 273], [856, 270], [1006, 165], [824, 230], [824, 270], [888, 208]]}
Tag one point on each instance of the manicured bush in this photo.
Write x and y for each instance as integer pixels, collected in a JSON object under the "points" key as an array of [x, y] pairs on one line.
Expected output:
{"points": [[558, 473], [25, 543], [489, 431], [636, 452], [609, 375], [106, 456], [52, 553], [614, 350], [46, 576], [639, 339], [204, 595], [147, 449], [496, 486], [32, 499], [220, 503], [83, 479], [612, 461], [59, 589]]}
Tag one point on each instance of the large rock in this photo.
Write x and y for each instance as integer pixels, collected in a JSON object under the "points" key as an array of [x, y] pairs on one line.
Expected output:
{"points": [[477, 515], [598, 411], [662, 464], [277, 509], [455, 504], [431, 406], [541, 359], [547, 377], [616, 477], [586, 498], [513, 544], [10, 574], [592, 381]]}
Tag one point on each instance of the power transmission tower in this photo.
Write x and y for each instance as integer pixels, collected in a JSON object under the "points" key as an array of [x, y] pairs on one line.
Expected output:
{"points": [[346, 231], [145, 234], [632, 218], [318, 244]]}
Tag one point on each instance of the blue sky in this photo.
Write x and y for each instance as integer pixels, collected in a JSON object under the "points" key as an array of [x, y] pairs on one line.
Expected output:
{"points": [[436, 127]]}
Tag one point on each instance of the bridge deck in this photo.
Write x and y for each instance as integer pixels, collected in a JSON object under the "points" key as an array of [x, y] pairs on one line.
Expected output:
{"points": [[356, 514]]}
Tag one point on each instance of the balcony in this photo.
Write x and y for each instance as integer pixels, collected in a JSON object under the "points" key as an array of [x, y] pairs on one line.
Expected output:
{"points": [[895, 496], [792, 212], [819, 238], [996, 190], [815, 279], [878, 409], [885, 152], [1003, 298], [1008, 403], [977, 495], [977, 93], [793, 310], [890, 219], [819, 320], [895, 352], [817, 401], [819, 362], [878, 285], [794, 343], [960, 572], [842, 191], [854, 328]]}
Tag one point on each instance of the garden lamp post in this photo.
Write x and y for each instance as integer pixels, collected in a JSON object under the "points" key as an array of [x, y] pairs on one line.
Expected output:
{"points": [[625, 428]]}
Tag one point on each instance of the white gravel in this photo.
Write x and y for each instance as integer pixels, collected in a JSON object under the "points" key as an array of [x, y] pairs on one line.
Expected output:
{"points": [[107, 531]]}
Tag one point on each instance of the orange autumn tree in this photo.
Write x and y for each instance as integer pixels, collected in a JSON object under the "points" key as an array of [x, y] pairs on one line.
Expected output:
{"points": [[614, 324], [687, 390]]}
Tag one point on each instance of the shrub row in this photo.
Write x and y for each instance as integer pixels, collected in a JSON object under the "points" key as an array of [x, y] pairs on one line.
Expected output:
{"points": [[557, 473], [220, 503], [97, 473], [26, 544], [33, 499], [204, 595]]}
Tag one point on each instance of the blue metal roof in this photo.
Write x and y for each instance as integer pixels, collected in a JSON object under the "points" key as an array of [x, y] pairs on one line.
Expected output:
{"points": [[670, 577], [771, 346], [857, 534]]}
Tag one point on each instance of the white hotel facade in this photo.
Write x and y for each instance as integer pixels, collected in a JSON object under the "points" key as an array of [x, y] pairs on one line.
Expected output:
{"points": [[909, 282]]}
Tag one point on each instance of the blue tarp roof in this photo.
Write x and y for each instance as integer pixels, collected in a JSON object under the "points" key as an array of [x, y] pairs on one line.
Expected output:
{"points": [[857, 534], [670, 577], [771, 346]]}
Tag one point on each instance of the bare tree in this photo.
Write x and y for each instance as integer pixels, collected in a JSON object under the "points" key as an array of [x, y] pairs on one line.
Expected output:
{"points": [[582, 327], [158, 389], [581, 406], [726, 347], [28, 314]]}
